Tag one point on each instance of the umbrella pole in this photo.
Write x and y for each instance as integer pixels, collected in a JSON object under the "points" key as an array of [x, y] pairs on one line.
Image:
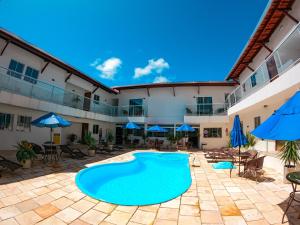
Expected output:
{"points": [[239, 160]]}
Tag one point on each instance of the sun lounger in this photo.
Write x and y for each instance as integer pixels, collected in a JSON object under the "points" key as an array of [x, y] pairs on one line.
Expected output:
{"points": [[8, 164], [75, 153]]}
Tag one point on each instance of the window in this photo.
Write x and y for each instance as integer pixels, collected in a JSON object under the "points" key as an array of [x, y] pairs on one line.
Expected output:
{"points": [[31, 75], [256, 121], [96, 99], [212, 132], [95, 129], [136, 107], [6, 121], [204, 106], [15, 68], [23, 123], [253, 80]]}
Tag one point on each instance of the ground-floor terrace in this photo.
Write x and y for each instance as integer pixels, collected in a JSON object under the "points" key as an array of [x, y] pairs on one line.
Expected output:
{"points": [[48, 195]]}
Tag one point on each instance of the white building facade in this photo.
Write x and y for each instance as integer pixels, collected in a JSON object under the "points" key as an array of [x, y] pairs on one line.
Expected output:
{"points": [[265, 75]]}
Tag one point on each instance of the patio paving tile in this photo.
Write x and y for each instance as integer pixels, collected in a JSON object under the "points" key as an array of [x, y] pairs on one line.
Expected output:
{"points": [[10, 221], [189, 220], [143, 217], [211, 217], [230, 210], [168, 213], [118, 217], [52, 221], [251, 214], [46, 211], [150, 208], [83, 205], [234, 220], [165, 222], [93, 216], [105, 207], [10, 200], [189, 210], [28, 218], [49, 196], [27, 205], [68, 215], [8, 212]]}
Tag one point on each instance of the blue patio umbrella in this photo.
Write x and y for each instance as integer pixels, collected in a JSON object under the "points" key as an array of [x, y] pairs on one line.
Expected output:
{"points": [[283, 124], [238, 138], [185, 127], [51, 120], [131, 126], [157, 128]]}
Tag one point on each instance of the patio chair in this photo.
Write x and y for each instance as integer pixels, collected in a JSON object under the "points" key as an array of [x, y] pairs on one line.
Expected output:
{"points": [[75, 153], [254, 167], [8, 164]]}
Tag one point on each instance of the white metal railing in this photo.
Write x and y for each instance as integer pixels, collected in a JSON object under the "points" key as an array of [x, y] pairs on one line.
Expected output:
{"points": [[286, 55], [14, 82], [130, 110], [206, 109]]}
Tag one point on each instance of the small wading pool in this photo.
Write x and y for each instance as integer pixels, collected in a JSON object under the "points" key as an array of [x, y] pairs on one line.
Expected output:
{"points": [[150, 178]]}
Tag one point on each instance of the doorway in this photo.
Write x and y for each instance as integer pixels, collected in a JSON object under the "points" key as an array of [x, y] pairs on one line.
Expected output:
{"points": [[84, 130], [119, 135], [87, 101]]}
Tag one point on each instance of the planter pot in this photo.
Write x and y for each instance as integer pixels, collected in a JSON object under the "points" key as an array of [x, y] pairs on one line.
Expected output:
{"points": [[91, 152], [26, 164], [110, 147], [286, 171]]}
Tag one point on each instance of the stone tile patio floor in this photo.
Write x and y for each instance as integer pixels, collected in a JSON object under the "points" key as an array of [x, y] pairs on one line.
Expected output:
{"points": [[47, 195]]}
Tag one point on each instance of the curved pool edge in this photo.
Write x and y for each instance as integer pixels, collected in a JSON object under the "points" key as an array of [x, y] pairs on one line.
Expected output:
{"points": [[88, 193]]}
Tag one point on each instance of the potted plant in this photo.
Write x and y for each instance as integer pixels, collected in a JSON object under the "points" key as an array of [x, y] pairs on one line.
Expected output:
{"points": [[110, 139], [25, 154], [290, 156], [251, 141], [91, 142]]}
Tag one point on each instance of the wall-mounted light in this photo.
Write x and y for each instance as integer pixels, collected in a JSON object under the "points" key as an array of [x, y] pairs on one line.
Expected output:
{"points": [[265, 106], [53, 79]]}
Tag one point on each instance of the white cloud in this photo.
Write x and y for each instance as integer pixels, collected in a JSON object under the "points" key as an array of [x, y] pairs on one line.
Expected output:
{"points": [[96, 62], [153, 66], [161, 79], [108, 68]]}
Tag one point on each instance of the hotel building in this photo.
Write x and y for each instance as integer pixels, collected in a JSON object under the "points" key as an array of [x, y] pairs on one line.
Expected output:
{"points": [[266, 74]]}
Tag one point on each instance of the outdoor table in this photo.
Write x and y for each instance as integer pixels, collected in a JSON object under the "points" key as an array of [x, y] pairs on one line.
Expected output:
{"points": [[294, 178], [51, 149]]}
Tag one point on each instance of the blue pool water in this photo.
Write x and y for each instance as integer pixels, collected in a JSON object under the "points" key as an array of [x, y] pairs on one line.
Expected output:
{"points": [[150, 178]]}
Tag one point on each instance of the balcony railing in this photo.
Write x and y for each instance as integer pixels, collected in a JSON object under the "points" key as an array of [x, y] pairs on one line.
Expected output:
{"points": [[209, 109], [131, 110], [17, 83], [283, 58]]}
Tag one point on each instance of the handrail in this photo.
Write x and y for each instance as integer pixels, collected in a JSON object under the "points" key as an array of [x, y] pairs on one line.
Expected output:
{"points": [[206, 109], [21, 84]]}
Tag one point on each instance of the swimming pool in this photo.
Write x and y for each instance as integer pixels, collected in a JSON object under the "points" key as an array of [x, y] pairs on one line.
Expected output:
{"points": [[150, 178]]}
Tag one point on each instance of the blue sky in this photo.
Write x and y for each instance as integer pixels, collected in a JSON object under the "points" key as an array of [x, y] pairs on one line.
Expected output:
{"points": [[121, 42]]}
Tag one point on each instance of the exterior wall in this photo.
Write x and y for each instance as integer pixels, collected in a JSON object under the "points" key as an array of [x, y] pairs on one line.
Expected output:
{"points": [[211, 143], [282, 30], [165, 108], [8, 139]]}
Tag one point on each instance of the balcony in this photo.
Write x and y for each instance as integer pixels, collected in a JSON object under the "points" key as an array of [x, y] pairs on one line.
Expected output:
{"points": [[133, 113], [210, 112], [20, 84], [285, 57]]}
